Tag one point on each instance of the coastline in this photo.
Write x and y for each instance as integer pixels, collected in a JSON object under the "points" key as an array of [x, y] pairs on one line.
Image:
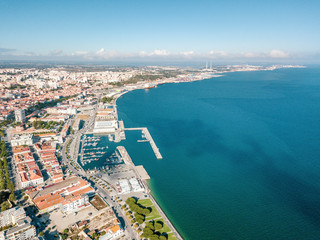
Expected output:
{"points": [[161, 82], [151, 197]]}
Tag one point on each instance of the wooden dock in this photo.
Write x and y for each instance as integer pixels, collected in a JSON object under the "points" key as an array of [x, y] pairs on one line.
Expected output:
{"points": [[149, 138]]}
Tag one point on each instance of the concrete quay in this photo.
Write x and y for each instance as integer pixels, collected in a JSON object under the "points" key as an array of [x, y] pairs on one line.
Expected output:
{"points": [[149, 138]]}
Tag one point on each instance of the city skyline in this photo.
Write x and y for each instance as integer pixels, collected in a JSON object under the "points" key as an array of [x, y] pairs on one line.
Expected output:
{"points": [[164, 31]]}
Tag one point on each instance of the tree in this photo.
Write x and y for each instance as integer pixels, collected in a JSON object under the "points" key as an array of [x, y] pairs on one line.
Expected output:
{"points": [[2, 185], [64, 236], [4, 206], [12, 197], [140, 220], [10, 185], [138, 216], [154, 237], [150, 225], [145, 211], [41, 234], [131, 200], [158, 225], [147, 232], [162, 237], [66, 230]]}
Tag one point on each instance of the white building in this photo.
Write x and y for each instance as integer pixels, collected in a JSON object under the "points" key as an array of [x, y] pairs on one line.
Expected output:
{"points": [[20, 115], [124, 185], [136, 187], [22, 229], [20, 140], [11, 216], [105, 126], [62, 110], [74, 203], [31, 178]]}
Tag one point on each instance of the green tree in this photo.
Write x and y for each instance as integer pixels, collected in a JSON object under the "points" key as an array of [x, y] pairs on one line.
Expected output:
{"points": [[140, 220], [41, 234], [4, 206], [12, 197], [154, 237], [150, 225], [10, 186], [158, 225], [64, 236], [66, 230], [131, 200], [145, 211], [138, 216], [147, 232], [162, 237]]}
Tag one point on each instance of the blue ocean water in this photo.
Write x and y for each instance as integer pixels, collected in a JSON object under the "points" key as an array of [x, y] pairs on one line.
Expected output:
{"points": [[241, 153]]}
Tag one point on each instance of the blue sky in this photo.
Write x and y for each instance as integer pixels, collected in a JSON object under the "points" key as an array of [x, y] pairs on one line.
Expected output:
{"points": [[116, 29]]}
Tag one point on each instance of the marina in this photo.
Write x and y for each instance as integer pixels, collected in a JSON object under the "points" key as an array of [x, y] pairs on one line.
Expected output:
{"points": [[92, 150]]}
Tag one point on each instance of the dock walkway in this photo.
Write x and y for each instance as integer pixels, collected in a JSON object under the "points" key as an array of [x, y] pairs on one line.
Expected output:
{"points": [[149, 138]]}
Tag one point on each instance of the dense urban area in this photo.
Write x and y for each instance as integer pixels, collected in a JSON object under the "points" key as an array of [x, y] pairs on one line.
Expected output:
{"points": [[53, 122]]}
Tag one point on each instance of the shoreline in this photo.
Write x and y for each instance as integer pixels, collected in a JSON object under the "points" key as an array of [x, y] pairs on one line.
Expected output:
{"points": [[161, 82], [149, 193]]}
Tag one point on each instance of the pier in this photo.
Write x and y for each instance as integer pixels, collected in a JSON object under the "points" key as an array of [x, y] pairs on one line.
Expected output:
{"points": [[149, 138]]}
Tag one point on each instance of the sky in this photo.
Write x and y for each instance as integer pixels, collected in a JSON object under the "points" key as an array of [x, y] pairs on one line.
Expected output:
{"points": [[99, 30]]}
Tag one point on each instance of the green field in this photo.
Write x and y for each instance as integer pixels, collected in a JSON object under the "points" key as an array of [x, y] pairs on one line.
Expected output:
{"points": [[145, 202], [171, 236], [155, 215], [165, 227]]}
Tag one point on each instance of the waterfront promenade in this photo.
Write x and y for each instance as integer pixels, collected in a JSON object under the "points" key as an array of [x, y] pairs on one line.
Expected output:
{"points": [[127, 159]]}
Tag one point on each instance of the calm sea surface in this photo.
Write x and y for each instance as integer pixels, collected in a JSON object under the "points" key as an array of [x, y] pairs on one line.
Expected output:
{"points": [[241, 153]]}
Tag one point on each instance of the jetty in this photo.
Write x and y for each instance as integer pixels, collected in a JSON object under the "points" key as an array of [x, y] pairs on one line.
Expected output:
{"points": [[142, 172], [149, 138]]}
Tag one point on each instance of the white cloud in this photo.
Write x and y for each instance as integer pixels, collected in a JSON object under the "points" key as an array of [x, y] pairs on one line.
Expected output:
{"points": [[163, 53], [249, 55], [80, 53], [218, 54], [100, 52], [278, 54], [56, 52], [160, 53], [188, 53]]}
